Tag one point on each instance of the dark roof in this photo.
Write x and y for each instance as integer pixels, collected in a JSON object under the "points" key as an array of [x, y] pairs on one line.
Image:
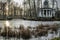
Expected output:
{"points": [[45, 8]]}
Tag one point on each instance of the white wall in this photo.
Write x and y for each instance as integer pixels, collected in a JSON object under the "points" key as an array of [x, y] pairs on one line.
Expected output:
{"points": [[50, 4]]}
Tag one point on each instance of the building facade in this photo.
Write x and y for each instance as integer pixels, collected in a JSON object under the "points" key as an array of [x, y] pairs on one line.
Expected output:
{"points": [[47, 8]]}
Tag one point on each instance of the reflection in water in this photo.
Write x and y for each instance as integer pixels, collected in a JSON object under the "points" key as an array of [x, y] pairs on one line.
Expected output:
{"points": [[7, 23]]}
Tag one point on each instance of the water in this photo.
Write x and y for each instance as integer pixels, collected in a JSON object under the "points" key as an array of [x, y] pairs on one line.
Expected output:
{"points": [[26, 23], [18, 22]]}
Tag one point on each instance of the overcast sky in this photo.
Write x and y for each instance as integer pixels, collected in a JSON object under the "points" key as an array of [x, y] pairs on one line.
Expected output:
{"points": [[20, 2], [58, 3]]}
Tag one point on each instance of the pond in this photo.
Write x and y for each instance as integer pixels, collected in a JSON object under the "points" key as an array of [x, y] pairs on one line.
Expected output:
{"points": [[18, 22]]}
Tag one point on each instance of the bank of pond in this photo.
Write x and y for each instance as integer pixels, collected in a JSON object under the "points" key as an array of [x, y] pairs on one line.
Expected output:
{"points": [[29, 32]]}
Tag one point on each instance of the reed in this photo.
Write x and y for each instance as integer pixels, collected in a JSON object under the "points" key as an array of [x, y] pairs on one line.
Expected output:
{"points": [[26, 33]]}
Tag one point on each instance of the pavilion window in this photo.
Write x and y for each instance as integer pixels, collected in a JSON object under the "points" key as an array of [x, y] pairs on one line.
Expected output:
{"points": [[44, 12], [48, 12]]}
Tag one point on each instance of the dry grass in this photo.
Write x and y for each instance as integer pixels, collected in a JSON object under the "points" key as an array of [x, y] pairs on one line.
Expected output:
{"points": [[26, 33]]}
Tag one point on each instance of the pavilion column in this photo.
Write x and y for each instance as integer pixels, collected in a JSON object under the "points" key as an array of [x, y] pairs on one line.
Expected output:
{"points": [[49, 13], [40, 13], [53, 13], [43, 13], [46, 13]]}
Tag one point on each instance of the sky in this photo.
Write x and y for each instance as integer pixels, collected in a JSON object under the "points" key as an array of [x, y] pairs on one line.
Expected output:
{"points": [[58, 3], [20, 2]]}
